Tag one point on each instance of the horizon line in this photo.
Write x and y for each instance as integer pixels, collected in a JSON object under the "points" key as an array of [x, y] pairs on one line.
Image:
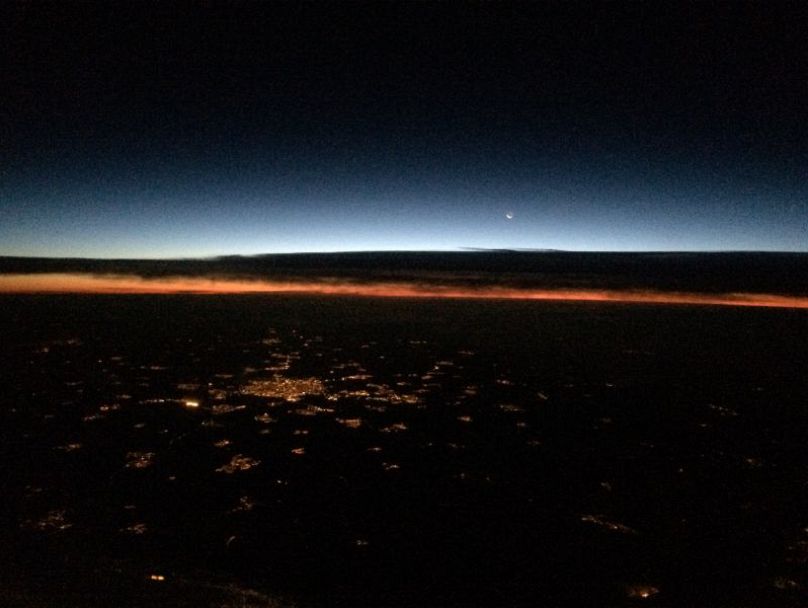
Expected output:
{"points": [[435, 251]]}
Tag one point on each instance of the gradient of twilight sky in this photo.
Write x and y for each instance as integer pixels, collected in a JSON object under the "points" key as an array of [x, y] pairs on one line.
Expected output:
{"points": [[227, 128]]}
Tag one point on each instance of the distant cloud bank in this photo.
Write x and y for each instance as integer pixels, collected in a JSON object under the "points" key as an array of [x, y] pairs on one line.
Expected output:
{"points": [[717, 278], [131, 284]]}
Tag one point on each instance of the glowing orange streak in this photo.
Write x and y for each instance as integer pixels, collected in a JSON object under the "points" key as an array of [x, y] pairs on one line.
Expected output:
{"points": [[117, 284]]}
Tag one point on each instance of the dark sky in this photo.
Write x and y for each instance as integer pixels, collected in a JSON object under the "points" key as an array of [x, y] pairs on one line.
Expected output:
{"points": [[148, 130]]}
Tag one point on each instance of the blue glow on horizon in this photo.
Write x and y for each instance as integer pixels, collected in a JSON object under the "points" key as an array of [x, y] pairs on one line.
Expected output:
{"points": [[328, 212]]}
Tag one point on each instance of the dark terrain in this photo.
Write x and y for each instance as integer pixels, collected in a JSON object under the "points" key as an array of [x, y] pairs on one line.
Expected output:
{"points": [[290, 450]]}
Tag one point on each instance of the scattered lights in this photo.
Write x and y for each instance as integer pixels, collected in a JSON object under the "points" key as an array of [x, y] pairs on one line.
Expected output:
{"points": [[381, 393], [642, 592], [70, 447], [136, 529], [312, 410], [245, 503], [754, 463], [289, 389], [369, 404], [785, 584], [216, 394], [139, 460], [53, 520], [396, 427], [509, 407], [239, 462], [351, 423], [612, 526], [225, 408], [264, 418]]}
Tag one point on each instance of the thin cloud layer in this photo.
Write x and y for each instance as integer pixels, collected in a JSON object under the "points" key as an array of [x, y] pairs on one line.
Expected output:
{"points": [[132, 284]]}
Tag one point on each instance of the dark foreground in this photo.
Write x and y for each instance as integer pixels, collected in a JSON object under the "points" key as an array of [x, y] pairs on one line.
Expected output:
{"points": [[274, 451]]}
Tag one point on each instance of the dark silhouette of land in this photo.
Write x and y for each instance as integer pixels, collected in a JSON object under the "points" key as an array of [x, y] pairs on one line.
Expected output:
{"points": [[298, 450]]}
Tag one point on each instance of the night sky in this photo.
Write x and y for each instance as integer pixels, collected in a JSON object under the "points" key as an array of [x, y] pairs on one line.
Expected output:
{"points": [[179, 130]]}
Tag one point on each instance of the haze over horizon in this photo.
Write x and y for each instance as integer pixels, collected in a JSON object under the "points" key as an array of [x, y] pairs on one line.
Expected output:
{"points": [[183, 132]]}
